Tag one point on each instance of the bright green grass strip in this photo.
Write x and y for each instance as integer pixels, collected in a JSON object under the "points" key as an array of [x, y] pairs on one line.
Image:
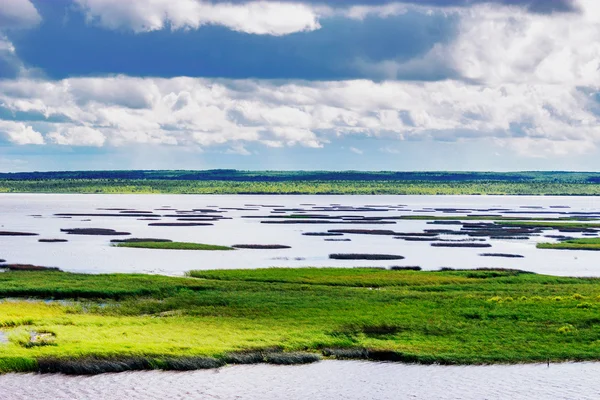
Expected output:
{"points": [[461, 317], [172, 246], [550, 224], [59, 285], [509, 220], [574, 244]]}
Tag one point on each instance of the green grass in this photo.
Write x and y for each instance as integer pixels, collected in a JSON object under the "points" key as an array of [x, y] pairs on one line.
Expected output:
{"points": [[450, 317], [573, 244], [171, 246], [518, 221], [551, 224]]}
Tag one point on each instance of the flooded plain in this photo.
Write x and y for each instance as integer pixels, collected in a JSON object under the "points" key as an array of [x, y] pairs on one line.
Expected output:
{"points": [[300, 231], [301, 225]]}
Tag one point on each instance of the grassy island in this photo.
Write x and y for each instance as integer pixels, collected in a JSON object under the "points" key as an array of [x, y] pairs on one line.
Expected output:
{"points": [[171, 245], [573, 244], [100, 323]]}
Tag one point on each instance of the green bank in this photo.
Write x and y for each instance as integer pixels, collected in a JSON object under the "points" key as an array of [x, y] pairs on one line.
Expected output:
{"points": [[74, 323]]}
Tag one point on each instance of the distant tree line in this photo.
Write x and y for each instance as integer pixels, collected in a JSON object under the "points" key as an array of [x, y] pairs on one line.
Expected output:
{"points": [[231, 175]]}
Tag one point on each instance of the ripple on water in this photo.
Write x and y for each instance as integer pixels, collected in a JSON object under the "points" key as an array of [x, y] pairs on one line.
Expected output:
{"points": [[325, 380]]}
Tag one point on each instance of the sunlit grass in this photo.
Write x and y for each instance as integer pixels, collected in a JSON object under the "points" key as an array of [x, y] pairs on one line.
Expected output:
{"points": [[171, 246], [463, 317], [573, 244]]}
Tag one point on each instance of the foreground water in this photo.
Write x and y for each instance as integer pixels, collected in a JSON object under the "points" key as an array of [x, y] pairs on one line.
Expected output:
{"points": [[325, 380], [93, 254]]}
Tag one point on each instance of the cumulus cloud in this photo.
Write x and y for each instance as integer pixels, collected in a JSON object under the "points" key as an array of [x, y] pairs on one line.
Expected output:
{"points": [[18, 14], [20, 133], [526, 81], [498, 46], [537, 120], [255, 17], [505, 44]]}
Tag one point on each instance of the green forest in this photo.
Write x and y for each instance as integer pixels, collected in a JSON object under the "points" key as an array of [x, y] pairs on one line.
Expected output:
{"points": [[303, 182]]}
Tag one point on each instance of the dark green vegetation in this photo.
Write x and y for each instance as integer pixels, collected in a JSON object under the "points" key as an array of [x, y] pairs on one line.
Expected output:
{"points": [[303, 182], [354, 256], [573, 244], [504, 255], [127, 322], [94, 232], [25, 267], [162, 245]]}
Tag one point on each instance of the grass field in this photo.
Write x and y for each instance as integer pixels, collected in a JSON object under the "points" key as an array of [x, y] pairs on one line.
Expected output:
{"points": [[171, 246], [141, 321]]}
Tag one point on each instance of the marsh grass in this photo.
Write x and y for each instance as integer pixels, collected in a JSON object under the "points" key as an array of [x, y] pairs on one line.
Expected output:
{"points": [[94, 232], [162, 245], [573, 244], [355, 256], [551, 224], [132, 322]]}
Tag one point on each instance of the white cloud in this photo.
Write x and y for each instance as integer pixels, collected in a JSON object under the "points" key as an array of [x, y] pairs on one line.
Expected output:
{"points": [[255, 17], [20, 133], [77, 136], [535, 119], [360, 12], [356, 151], [503, 44], [18, 14]]}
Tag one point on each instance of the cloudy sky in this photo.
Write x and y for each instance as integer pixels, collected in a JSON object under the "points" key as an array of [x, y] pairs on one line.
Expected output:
{"points": [[300, 84]]}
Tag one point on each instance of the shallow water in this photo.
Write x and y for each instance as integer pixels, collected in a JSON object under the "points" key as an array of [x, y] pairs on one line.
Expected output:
{"points": [[325, 380], [94, 254]]}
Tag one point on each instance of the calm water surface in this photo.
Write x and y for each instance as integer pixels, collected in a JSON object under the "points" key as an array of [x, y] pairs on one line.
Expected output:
{"points": [[93, 254], [331, 380]]}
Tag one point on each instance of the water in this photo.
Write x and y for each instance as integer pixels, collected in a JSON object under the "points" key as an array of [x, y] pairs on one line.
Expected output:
{"points": [[344, 380], [93, 254]]}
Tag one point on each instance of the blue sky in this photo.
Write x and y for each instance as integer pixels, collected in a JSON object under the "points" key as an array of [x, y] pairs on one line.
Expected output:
{"points": [[353, 84]]}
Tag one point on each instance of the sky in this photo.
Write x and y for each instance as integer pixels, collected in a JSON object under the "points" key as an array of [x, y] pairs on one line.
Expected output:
{"points": [[498, 85]]}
